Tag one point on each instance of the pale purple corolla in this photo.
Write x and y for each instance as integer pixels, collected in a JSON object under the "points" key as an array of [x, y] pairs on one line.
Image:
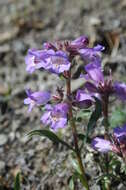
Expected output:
{"points": [[36, 59], [56, 57], [36, 98], [55, 116], [91, 55], [116, 143], [101, 145], [56, 62]]}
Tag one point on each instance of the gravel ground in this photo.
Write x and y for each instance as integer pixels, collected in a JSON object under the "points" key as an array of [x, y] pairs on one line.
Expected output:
{"points": [[29, 23]]}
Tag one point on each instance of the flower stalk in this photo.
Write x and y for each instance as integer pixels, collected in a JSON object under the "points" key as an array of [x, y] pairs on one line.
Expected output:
{"points": [[74, 130]]}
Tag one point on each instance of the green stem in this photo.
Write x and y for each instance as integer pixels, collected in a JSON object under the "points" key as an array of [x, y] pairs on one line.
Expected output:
{"points": [[74, 131]]}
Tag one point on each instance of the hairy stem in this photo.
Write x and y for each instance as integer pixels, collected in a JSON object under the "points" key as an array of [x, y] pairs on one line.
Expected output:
{"points": [[74, 130]]}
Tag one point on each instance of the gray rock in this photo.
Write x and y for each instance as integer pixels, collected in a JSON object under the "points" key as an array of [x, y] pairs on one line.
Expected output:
{"points": [[3, 139], [2, 165]]}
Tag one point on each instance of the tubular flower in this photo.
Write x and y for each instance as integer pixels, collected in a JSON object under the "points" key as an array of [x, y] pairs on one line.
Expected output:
{"points": [[36, 98], [55, 116], [91, 54], [36, 59], [54, 57], [56, 62], [101, 145], [116, 144], [84, 100]]}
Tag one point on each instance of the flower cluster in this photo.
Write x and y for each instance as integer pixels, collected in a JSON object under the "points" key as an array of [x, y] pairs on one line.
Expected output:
{"points": [[56, 58], [116, 144]]}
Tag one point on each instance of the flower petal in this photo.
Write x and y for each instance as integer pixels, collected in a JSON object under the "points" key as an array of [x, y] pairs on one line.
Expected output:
{"points": [[101, 145]]}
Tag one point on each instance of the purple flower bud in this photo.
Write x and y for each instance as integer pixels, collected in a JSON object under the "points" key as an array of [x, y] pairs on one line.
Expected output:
{"points": [[79, 43], [101, 145], [55, 116], [120, 90], [36, 98]]}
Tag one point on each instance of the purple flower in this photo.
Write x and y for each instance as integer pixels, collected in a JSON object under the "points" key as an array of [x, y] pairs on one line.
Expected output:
{"points": [[56, 62], [120, 133], [84, 99], [59, 62], [36, 98], [120, 90], [36, 59], [94, 78], [55, 116], [116, 144], [101, 145], [91, 54]]}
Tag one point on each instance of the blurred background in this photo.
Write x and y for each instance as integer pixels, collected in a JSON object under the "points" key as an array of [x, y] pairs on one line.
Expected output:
{"points": [[27, 24]]}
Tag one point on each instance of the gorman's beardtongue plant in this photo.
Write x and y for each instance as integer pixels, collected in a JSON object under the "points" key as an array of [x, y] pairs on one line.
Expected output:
{"points": [[60, 109]]}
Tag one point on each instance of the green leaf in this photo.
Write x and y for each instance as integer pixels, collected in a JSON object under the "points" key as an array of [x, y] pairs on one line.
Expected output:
{"points": [[94, 117], [78, 174], [75, 165], [17, 182], [71, 183], [50, 135]]}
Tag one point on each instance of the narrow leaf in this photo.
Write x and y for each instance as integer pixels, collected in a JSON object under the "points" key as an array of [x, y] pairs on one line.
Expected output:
{"points": [[75, 165], [17, 182], [94, 117], [71, 183], [50, 135]]}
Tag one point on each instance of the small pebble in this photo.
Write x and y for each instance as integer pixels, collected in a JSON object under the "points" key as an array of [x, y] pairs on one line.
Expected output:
{"points": [[3, 139]]}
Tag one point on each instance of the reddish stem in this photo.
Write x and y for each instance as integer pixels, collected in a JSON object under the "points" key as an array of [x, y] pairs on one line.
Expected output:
{"points": [[73, 126]]}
